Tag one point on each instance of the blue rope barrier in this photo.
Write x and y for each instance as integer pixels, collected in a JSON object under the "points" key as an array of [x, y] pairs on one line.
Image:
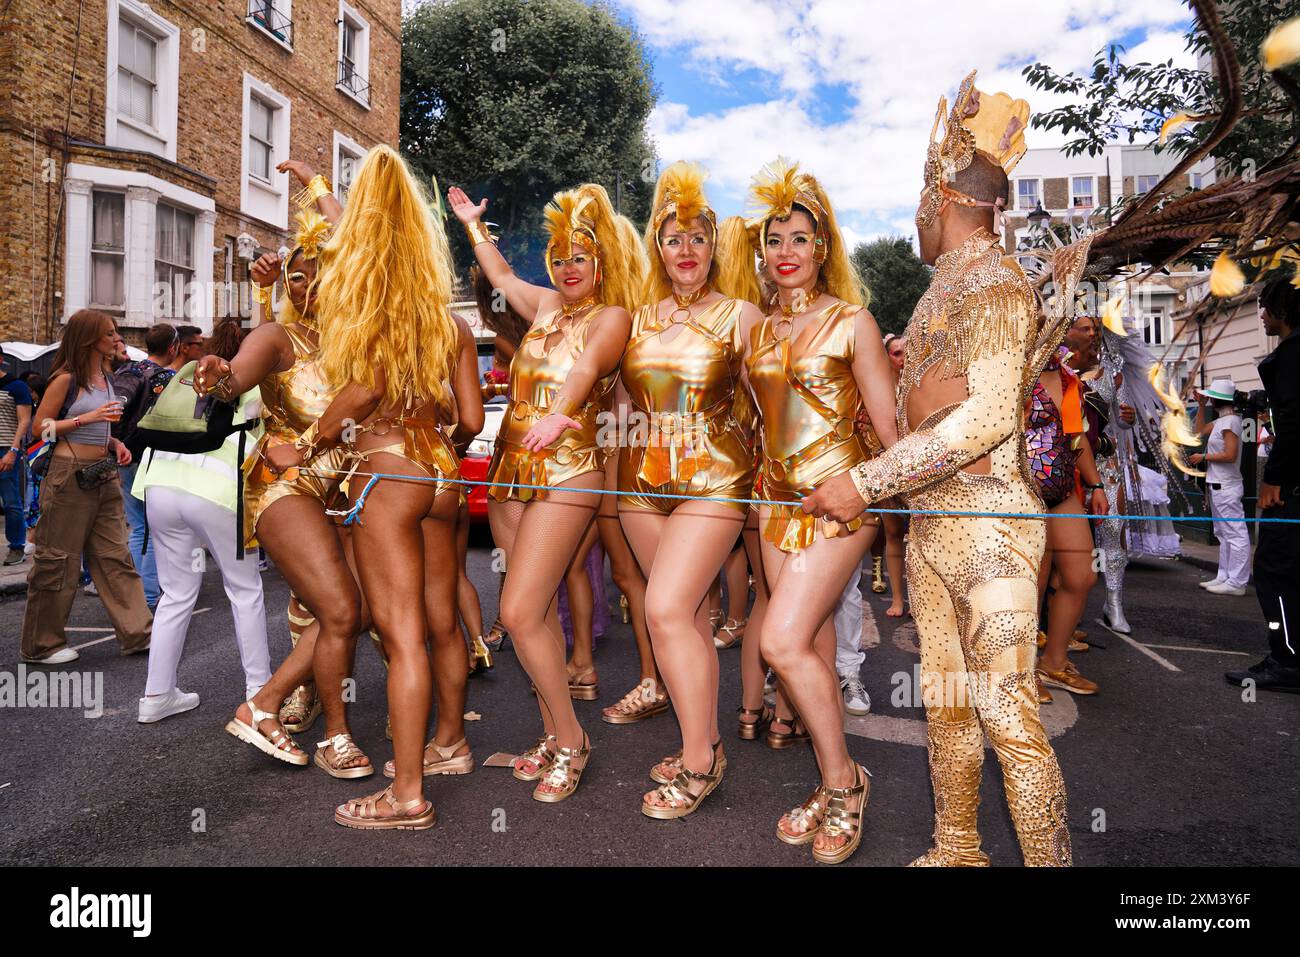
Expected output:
{"points": [[376, 476]]}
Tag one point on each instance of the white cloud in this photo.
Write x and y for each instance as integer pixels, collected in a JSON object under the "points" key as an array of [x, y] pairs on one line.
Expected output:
{"points": [[895, 61]]}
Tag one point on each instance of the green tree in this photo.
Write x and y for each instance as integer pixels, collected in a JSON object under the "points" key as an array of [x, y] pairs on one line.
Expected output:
{"points": [[515, 100], [1118, 100], [896, 277]]}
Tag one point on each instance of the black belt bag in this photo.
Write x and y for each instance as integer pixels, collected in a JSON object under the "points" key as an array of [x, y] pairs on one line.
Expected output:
{"points": [[93, 476]]}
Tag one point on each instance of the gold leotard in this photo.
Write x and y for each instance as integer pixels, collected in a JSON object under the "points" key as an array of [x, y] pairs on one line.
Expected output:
{"points": [[690, 435], [807, 400], [292, 400], [424, 443], [536, 377]]}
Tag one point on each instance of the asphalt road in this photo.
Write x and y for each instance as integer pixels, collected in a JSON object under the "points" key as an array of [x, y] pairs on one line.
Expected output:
{"points": [[1167, 766]]}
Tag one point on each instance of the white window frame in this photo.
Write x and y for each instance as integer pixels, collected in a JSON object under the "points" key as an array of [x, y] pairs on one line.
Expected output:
{"points": [[1093, 191], [118, 307], [143, 192], [1137, 182], [351, 16], [1155, 326], [173, 266], [281, 6], [125, 131], [1038, 181], [268, 202], [344, 144]]}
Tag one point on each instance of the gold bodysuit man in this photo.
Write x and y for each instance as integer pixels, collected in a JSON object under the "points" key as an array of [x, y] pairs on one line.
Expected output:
{"points": [[972, 581]]}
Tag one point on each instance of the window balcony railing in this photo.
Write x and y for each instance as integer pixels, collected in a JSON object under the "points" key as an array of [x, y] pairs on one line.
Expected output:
{"points": [[263, 13], [351, 80]]}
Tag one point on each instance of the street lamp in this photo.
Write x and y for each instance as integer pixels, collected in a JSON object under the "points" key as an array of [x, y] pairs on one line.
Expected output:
{"points": [[1039, 218]]}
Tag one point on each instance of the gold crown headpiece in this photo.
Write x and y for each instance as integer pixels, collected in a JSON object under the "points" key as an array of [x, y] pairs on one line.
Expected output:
{"points": [[683, 198], [775, 192], [990, 124], [567, 223]]}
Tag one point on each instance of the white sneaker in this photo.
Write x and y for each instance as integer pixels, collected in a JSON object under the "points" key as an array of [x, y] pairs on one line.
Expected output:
{"points": [[1223, 588], [90, 588], [165, 705], [60, 657], [1211, 582], [856, 699]]}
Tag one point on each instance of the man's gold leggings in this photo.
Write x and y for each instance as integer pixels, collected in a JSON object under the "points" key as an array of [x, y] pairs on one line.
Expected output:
{"points": [[973, 589]]}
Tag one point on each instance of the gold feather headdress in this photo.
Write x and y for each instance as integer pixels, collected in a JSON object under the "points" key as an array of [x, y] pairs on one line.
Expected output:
{"points": [[568, 222], [990, 124], [681, 188], [313, 231], [774, 193]]}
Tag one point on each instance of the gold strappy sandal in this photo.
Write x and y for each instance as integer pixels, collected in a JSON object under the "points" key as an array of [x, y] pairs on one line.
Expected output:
{"points": [[540, 754], [684, 800], [731, 634], [667, 768], [777, 740], [301, 709], [447, 762], [480, 656], [581, 692], [345, 751], [646, 700], [363, 813], [563, 773], [752, 730], [496, 637], [277, 744], [839, 821], [809, 813]]}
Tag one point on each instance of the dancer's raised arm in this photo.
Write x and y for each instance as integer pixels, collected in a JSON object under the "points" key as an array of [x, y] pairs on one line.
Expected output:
{"points": [[525, 298]]}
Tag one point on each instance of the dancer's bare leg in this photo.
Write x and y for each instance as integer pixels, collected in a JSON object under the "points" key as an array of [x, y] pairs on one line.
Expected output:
{"points": [[582, 609], [625, 571], [467, 601], [895, 527], [545, 540], [753, 669], [443, 564], [1070, 544], [694, 541], [736, 571], [805, 588]]}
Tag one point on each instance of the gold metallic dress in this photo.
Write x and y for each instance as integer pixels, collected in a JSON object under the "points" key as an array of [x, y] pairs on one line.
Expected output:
{"points": [[807, 402], [690, 412], [292, 400], [537, 373], [973, 581]]}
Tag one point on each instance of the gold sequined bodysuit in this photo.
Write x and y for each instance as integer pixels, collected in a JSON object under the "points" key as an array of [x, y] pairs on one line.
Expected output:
{"points": [[807, 401], [690, 413], [537, 374], [973, 581], [292, 400]]}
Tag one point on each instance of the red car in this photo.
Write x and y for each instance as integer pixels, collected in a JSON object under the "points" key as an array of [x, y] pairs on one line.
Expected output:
{"points": [[474, 466]]}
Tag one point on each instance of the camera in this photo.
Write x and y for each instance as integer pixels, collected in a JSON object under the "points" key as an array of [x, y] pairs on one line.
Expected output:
{"points": [[1250, 404]]}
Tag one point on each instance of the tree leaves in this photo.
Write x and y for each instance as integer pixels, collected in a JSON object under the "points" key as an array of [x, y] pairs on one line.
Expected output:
{"points": [[896, 278]]}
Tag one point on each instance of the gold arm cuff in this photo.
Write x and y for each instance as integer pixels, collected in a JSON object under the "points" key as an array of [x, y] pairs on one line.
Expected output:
{"points": [[501, 388], [562, 406], [478, 232], [262, 294], [316, 187]]}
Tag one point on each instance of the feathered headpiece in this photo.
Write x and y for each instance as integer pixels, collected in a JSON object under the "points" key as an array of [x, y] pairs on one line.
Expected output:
{"points": [[312, 233], [774, 193], [993, 125], [569, 221], [680, 194]]}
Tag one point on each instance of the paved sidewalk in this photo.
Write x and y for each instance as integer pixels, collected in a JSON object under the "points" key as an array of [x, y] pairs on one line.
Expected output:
{"points": [[13, 578]]}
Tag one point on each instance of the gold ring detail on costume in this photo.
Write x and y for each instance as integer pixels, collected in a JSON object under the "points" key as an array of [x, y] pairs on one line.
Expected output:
{"points": [[844, 429], [775, 469], [563, 455]]}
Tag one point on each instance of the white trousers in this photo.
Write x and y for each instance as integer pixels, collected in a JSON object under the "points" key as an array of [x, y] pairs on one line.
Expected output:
{"points": [[181, 525], [848, 627], [1234, 539]]}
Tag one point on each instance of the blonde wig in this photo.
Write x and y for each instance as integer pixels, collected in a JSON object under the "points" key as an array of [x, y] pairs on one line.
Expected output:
{"points": [[734, 263], [386, 279], [679, 195], [585, 217], [775, 193]]}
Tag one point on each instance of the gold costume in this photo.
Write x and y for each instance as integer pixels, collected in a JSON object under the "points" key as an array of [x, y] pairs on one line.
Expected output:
{"points": [[424, 443], [691, 437], [292, 401], [537, 373], [807, 400], [973, 581]]}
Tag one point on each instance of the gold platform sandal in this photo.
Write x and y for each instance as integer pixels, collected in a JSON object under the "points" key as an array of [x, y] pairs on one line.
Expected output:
{"points": [[563, 773], [839, 821], [731, 634], [752, 730], [667, 768], [301, 709], [496, 637], [345, 751], [363, 813], [646, 700], [809, 814], [678, 790], [445, 762], [581, 692], [777, 740], [540, 755], [277, 744]]}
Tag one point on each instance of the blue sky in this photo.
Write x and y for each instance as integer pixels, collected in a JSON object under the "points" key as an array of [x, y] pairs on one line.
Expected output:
{"points": [[849, 87]]}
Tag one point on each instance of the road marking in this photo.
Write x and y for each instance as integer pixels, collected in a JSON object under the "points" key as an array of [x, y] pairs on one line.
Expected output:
{"points": [[111, 635], [1213, 651], [1146, 650]]}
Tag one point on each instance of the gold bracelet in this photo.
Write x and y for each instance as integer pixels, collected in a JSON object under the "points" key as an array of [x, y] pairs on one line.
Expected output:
{"points": [[316, 187], [562, 405], [262, 294], [478, 232]]}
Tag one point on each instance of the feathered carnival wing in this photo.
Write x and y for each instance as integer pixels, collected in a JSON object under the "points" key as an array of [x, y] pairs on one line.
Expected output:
{"points": [[680, 194], [569, 220], [990, 124], [774, 193]]}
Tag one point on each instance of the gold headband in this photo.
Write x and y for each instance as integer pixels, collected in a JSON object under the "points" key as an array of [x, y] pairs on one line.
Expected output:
{"points": [[683, 199], [568, 225], [775, 192]]}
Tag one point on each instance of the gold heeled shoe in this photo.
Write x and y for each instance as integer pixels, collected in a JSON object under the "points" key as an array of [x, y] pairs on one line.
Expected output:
{"points": [[878, 576], [839, 821], [563, 774], [751, 730], [625, 608], [734, 632], [496, 637], [539, 754], [685, 801], [345, 751], [777, 740], [480, 656], [715, 619], [363, 813]]}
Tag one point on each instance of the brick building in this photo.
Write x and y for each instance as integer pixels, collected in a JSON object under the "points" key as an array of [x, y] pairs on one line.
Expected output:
{"points": [[139, 142]]}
